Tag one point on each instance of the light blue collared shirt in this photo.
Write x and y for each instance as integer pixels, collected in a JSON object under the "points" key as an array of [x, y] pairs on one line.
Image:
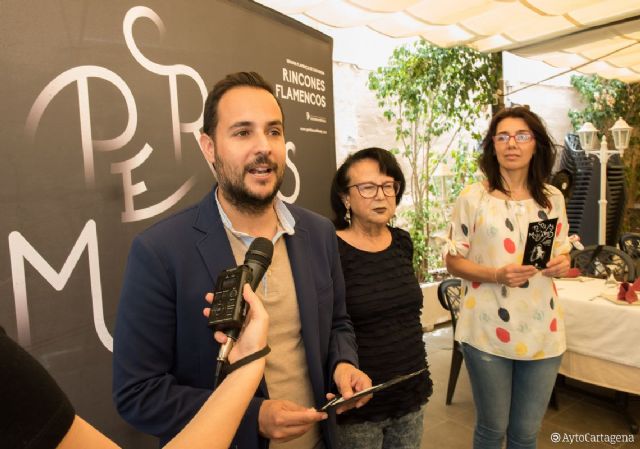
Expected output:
{"points": [[286, 222]]}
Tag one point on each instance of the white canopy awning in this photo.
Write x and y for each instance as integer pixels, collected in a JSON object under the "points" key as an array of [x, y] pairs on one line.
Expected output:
{"points": [[593, 36]]}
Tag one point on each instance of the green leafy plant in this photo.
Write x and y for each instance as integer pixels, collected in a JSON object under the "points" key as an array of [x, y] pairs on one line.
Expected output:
{"points": [[427, 92], [607, 100], [463, 163]]}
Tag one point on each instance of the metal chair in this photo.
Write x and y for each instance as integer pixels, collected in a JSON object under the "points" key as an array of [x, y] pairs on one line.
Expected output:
{"points": [[600, 261], [449, 295], [630, 244]]}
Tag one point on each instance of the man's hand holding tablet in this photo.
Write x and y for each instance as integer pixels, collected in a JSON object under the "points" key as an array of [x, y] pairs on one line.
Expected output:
{"points": [[338, 401]]}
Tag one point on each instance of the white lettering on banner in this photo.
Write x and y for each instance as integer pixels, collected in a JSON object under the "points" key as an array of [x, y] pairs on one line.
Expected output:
{"points": [[290, 146], [20, 250], [302, 79], [170, 71], [80, 75], [304, 66], [130, 190], [300, 96]]}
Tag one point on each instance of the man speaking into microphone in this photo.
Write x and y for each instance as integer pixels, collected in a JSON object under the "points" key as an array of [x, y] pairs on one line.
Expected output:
{"points": [[165, 357]]}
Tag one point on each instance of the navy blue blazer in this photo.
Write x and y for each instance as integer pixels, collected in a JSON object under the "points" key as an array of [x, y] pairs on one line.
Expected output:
{"points": [[164, 354]]}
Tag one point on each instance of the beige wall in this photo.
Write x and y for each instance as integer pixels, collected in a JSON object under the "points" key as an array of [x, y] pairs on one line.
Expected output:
{"points": [[359, 121], [551, 99]]}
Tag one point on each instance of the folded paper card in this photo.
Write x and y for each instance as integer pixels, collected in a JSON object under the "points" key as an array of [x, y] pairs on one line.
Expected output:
{"points": [[629, 292], [573, 273]]}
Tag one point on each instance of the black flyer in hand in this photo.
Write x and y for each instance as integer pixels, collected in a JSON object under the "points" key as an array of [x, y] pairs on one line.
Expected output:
{"points": [[537, 250]]}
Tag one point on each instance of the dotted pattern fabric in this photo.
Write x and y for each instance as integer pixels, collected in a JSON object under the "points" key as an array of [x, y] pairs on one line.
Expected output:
{"points": [[524, 323]]}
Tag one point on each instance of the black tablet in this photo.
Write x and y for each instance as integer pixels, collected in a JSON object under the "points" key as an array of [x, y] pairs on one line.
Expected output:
{"points": [[339, 400]]}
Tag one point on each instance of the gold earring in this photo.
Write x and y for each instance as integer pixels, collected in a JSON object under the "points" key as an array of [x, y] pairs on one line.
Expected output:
{"points": [[347, 215]]}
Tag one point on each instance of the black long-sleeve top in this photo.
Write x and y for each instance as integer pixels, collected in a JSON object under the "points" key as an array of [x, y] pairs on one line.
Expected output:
{"points": [[384, 301]]}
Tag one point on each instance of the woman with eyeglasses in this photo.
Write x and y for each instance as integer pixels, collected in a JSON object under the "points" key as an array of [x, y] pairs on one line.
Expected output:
{"points": [[510, 325], [384, 302]]}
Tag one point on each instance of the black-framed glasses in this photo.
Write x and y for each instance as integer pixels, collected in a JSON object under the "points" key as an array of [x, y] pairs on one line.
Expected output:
{"points": [[519, 137], [370, 190]]}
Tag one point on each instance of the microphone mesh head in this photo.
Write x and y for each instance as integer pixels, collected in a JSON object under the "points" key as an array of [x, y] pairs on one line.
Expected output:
{"points": [[260, 251]]}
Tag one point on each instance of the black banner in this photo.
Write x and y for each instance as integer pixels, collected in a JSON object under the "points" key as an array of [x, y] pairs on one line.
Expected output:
{"points": [[101, 106]]}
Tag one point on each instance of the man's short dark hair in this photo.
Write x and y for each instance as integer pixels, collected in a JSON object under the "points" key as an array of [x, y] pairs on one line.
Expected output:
{"points": [[239, 79]]}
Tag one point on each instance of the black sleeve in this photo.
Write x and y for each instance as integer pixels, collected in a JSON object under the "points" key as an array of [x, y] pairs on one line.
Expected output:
{"points": [[35, 413], [404, 238]]}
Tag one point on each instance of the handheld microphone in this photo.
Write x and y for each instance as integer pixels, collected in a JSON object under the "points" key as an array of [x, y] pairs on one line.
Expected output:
{"points": [[258, 258], [229, 309]]}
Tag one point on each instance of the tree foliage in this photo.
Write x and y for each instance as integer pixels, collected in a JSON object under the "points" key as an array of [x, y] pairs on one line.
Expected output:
{"points": [[427, 92], [607, 100], [463, 163]]}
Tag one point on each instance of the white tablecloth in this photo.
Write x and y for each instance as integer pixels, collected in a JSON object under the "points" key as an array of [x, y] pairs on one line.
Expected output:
{"points": [[597, 327]]}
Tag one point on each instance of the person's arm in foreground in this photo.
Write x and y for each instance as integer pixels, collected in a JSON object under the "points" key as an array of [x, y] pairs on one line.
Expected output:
{"points": [[225, 407], [81, 434]]}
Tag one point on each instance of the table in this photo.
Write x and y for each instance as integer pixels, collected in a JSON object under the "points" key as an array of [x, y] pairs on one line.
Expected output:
{"points": [[602, 337]]}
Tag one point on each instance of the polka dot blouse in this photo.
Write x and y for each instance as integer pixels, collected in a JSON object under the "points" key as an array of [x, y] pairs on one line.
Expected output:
{"points": [[522, 323]]}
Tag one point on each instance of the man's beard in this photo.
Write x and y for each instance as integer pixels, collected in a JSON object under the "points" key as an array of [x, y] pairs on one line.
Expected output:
{"points": [[234, 190]]}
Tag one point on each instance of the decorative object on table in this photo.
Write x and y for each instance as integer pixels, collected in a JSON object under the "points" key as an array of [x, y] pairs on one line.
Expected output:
{"points": [[629, 292], [630, 244], [624, 293], [611, 279], [573, 273], [575, 241], [537, 248], [588, 137], [600, 261]]}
